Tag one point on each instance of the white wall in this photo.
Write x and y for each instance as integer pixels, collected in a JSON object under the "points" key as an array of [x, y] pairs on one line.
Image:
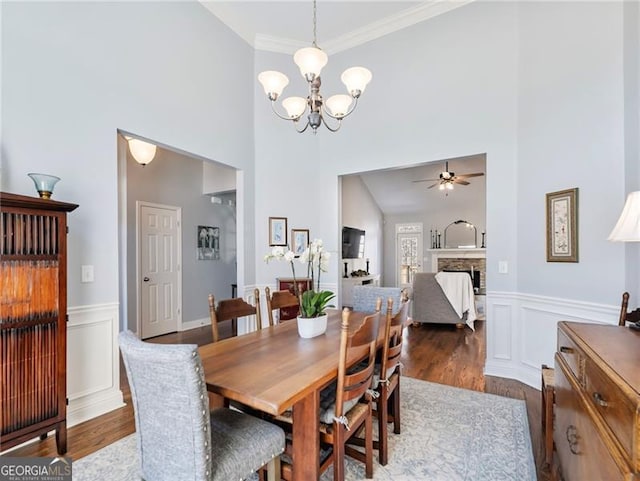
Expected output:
{"points": [[537, 86], [359, 210], [541, 87], [75, 72]]}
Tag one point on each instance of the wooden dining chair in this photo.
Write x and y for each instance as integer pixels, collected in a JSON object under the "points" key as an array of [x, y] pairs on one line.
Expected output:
{"points": [[346, 405], [279, 300], [230, 310], [627, 316], [387, 380]]}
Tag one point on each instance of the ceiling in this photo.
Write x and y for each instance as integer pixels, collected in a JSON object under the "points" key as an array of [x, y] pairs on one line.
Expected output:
{"points": [[287, 25], [395, 192]]}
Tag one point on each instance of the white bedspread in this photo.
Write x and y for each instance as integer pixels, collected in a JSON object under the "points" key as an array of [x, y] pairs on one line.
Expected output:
{"points": [[458, 288]]}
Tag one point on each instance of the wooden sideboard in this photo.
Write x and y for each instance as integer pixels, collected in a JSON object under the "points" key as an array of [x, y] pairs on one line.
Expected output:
{"points": [[597, 383], [33, 319]]}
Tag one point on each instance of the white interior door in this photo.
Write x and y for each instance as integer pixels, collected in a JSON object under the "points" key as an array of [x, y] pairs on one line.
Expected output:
{"points": [[409, 252], [159, 280]]}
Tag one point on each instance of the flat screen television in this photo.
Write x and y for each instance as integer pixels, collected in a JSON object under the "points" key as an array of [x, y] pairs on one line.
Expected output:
{"points": [[352, 243]]}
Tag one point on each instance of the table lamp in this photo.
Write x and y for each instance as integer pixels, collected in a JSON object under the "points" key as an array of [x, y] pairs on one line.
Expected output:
{"points": [[627, 229]]}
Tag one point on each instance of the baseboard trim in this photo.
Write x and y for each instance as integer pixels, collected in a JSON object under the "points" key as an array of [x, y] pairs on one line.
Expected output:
{"points": [[205, 321]]}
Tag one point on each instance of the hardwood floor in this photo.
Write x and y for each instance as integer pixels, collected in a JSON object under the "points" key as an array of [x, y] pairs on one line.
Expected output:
{"points": [[437, 353]]}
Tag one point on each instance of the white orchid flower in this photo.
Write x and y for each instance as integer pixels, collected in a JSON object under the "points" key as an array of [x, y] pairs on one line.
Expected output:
{"points": [[277, 251], [289, 256]]}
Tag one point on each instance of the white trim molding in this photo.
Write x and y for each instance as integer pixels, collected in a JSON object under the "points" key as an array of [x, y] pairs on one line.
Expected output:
{"points": [[93, 362], [522, 331]]}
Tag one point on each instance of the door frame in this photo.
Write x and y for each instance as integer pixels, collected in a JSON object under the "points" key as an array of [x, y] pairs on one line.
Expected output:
{"points": [[178, 211]]}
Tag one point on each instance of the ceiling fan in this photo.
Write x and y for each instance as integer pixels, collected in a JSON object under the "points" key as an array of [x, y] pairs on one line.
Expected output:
{"points": [[447, 179]]}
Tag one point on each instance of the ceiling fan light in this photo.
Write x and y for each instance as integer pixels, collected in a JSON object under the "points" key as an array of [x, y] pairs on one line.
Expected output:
{"points": [[356, 80], [295, 106], [310, 61], [338, 105], [273, 83], [441, 187], [449, 186]]}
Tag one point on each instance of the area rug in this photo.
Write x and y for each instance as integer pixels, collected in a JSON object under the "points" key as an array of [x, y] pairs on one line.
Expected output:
{"points": [[448, 434]]}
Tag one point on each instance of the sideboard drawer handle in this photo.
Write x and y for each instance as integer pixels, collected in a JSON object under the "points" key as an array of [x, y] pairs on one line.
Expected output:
{"points": [[600, 400], [566, 349]]}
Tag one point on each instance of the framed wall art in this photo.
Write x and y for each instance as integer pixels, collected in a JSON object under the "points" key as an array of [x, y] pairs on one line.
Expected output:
{"points": [[208, 243], [299, 241], [562, 226], [277, 231]]}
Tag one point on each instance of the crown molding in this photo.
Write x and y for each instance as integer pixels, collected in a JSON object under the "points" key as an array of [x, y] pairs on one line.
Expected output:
{"points": [[372, 31]]}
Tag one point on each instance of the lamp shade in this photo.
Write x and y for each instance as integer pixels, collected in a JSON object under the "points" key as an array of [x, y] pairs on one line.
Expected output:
{"points": [[338, 105], [143, 152], [356, 80], [627, 228], [273, 83], [295, 106], [310, 61]]}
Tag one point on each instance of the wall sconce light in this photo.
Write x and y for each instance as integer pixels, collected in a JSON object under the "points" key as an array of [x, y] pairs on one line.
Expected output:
{"points": [[143, 152]]}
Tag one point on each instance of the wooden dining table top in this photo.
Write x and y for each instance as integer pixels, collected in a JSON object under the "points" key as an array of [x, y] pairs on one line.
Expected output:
{"points": [[273, 368]]}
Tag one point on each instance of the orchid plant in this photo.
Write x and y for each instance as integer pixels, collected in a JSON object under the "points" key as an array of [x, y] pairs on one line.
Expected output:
{"points": [[313, 302]]}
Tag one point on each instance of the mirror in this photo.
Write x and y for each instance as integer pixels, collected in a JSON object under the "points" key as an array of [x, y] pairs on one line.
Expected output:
{"points": [[460, 234]]}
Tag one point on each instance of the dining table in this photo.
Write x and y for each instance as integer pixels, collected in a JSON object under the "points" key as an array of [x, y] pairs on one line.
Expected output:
{"points": [[274, 370]]}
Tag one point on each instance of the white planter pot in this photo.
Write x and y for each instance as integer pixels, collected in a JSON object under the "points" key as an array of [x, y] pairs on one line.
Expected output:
{"points": [[312, 327]]}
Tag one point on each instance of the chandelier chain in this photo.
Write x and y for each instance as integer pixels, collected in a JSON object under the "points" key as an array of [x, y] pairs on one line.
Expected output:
{"points": [[314, 24]]}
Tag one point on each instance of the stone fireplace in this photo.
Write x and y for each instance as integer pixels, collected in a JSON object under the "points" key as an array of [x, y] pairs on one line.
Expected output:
{"points": [[460, 260]]}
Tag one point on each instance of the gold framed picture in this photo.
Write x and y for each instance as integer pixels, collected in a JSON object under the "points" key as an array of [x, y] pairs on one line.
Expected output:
{"points": [[562, 226]]}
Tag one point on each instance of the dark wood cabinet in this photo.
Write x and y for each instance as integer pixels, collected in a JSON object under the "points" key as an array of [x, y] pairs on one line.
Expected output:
{"points": [[286, 283], [597, 393], [33, 315]]}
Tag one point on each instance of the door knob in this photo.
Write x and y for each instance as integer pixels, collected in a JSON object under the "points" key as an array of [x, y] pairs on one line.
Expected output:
{"points": [[146, 279]]}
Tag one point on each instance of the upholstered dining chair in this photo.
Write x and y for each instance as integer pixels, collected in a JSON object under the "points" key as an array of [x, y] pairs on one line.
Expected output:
{"points": [[365, 297], [230, 310], [279, 300], [346, 404], [178, 437], [627, 316], [387, 378]]}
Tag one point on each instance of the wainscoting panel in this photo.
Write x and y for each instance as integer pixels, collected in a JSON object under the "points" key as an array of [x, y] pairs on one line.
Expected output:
{"points": [[522, 331], [93, 372]]}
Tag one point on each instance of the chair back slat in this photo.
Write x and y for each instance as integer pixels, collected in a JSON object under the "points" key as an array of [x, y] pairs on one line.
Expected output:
{"points": [[392, 347], [229, 309], [354, 380], [279, 300]]}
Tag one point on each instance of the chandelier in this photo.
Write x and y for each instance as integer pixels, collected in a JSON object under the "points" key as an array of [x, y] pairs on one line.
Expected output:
{"points": [[310, 61]]}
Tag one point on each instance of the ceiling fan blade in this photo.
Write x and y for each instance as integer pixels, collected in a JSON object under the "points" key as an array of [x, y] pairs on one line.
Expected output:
{"points": [[433, 185], [460, 181], [475, 174], [426, 180]]}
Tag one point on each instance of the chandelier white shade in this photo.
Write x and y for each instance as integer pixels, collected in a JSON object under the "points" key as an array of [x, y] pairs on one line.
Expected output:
{"points": [[627, 229], [143, 152], [273, 83], [311, 61]]}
